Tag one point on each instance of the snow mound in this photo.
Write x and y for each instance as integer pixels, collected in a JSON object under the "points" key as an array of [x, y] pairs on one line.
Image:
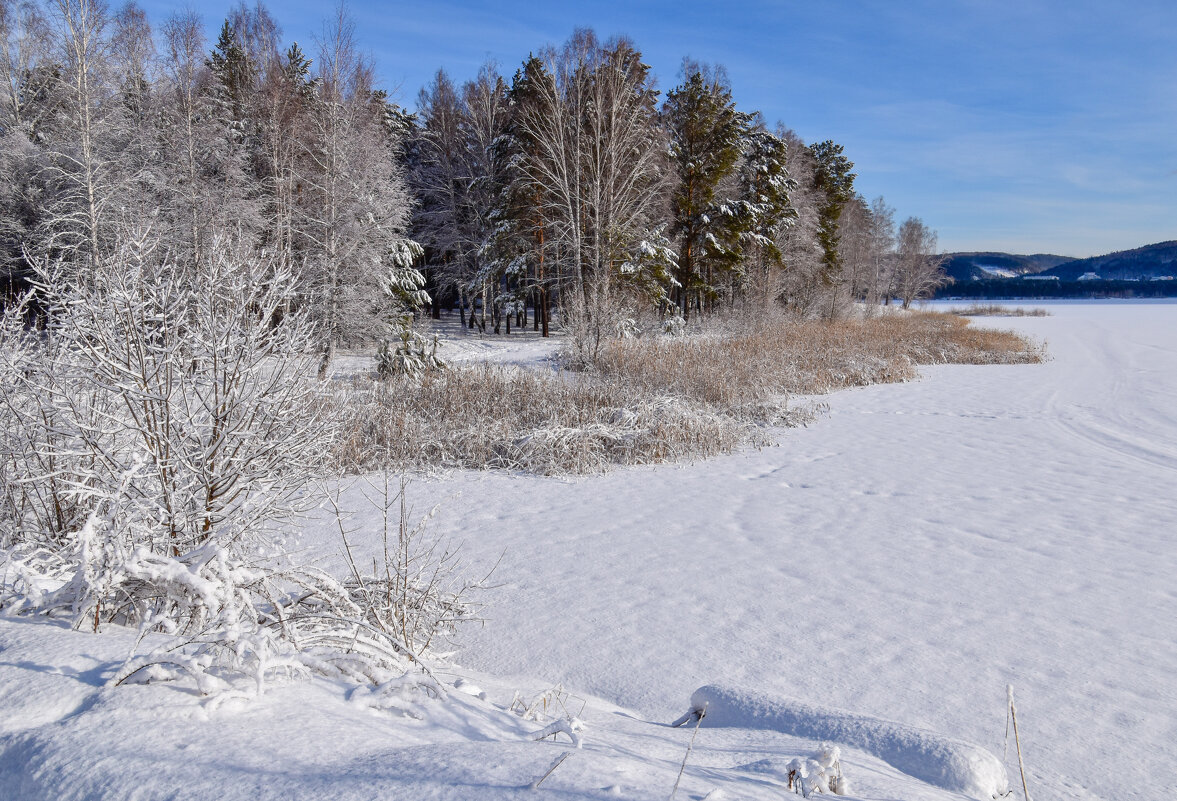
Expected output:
{"points": [[944, 762]]}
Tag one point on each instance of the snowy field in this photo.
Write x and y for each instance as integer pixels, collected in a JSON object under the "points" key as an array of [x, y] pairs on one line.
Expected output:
{"points": [[903, 558]]}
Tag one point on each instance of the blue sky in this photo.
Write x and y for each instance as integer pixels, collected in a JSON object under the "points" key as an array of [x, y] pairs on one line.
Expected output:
{"points": [[1030, 127]]}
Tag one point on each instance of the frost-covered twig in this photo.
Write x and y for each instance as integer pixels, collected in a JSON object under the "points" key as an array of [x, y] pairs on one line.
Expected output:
{"points": [[557, 762], [1013, 715], [700, 713]]}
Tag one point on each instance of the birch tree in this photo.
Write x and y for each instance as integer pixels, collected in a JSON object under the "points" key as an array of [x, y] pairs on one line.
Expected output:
{"points": [[27, 83], [882, 251], [592, 160], [83, 173], [357, 207], [919, 269]]}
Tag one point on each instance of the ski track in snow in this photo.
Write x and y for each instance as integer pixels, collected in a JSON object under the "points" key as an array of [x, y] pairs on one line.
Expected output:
{"points": [[906, 557]]}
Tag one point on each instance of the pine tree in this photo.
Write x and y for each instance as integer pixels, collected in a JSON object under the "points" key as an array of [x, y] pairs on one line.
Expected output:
{"points": [[835, 184], [524, 233], [440, 179], [233, 75], [765, 189], [706, 141]]}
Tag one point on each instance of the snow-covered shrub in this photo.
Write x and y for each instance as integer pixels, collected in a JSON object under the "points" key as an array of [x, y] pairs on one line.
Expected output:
{"points": [[37, 466], [649, 399], [158, 436], [674, 325], [169, 424], [410, 353], [494, 416]]}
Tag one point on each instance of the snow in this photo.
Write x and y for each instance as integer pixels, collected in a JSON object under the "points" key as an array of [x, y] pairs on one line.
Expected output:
{"points": [[525, 347], [903, 559], [941, 761], [64, 736], [997, 272], [906, 558]]}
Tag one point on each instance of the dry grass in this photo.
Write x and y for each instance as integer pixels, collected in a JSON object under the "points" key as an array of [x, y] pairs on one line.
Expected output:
{"points": [[647, 400], [507, 417], [996, 310], [808, 357]]}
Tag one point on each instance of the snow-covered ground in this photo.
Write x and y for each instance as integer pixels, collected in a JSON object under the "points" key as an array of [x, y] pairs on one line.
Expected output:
{"points": [[457, 345], [906, 557], [903, 558]]}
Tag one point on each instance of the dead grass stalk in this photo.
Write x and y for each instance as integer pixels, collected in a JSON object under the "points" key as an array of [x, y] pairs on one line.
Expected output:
{"points": [[647, 400]]}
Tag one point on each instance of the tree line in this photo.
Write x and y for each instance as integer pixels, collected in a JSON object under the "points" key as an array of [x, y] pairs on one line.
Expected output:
{"points": [[571, 185]]}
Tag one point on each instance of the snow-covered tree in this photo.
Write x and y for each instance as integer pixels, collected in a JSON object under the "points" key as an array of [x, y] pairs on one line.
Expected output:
{"points": [[592, 166], [84, 170], [882, 250], [854, 249], [209, 194], [357, 206], [27, 80], [707, 136], [919, 268], [765, 188], [801, 290]]}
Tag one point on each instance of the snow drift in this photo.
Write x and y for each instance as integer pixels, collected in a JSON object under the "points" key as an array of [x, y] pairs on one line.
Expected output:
{"points": [[944, 762]]}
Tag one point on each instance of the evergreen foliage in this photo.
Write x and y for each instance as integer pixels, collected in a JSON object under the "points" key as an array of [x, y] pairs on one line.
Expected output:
{"points": [[835, 184], [707, 136]]}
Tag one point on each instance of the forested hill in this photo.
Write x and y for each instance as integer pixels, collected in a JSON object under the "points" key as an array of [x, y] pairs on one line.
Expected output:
{"points": [[980, 266], [1150, 261], [1143, 263], [1143, 272]]}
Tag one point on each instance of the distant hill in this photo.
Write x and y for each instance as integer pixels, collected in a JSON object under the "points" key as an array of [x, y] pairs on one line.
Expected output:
{"points": [[1145, 272], [983, 266], [1140, 264], [1150, 261]]}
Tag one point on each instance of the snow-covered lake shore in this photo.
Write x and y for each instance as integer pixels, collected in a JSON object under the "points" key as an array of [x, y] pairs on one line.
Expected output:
{"points": [[904, 557]]}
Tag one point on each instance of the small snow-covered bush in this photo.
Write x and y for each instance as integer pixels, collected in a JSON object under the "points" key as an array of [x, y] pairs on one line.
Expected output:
{"points": [[409, 354], [405, 351], [820, 773]]}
